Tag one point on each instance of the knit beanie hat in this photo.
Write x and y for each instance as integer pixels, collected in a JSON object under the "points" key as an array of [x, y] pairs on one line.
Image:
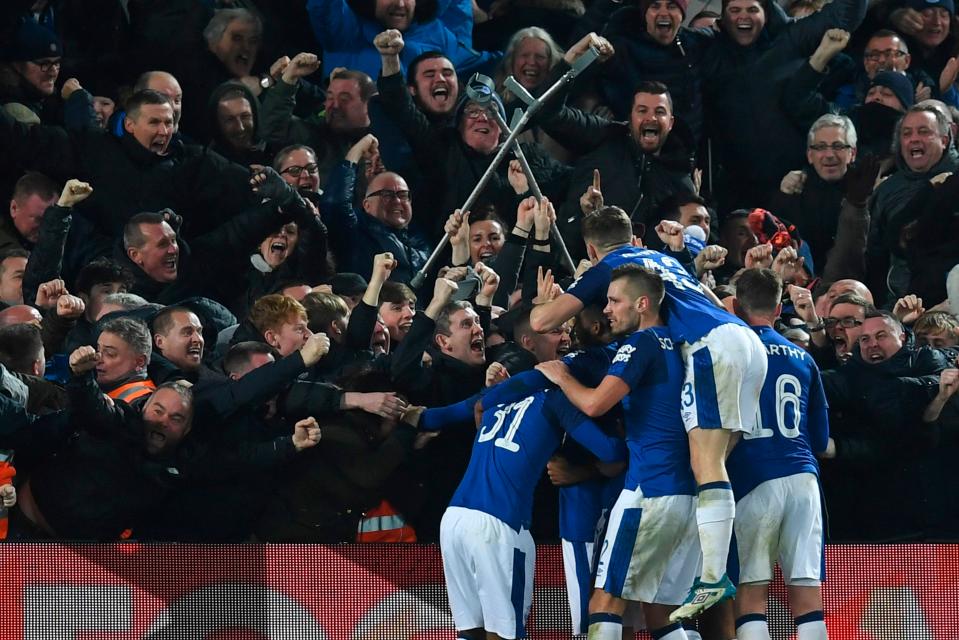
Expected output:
{"points": [[899, 84], [919, 5], [682, 4]]}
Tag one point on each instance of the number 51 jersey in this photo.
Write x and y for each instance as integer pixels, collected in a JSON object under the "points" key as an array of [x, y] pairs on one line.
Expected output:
{"points": [[512, 447]]}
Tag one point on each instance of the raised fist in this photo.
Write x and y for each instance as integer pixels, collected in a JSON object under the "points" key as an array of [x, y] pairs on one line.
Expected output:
{"points": [[317, 346], [389, 42], [74, 191], [84, 359]]}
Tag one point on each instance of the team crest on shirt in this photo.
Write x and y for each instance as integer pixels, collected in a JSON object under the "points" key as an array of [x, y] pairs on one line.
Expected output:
{"points": [[624, 354]]}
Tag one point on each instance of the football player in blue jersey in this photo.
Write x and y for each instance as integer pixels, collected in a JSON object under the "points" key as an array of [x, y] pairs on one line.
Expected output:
{"points": [[651, 551], [725, 366], [775, 475], [488, 554]]}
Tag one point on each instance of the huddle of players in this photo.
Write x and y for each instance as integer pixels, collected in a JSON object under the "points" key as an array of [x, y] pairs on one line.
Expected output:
{"points": [[668, 534]]}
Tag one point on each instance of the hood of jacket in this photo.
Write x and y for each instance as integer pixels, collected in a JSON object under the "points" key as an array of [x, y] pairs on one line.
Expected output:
{"points": [[211, 111]]}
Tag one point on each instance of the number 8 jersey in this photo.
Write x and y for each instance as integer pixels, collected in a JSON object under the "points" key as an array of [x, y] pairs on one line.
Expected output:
{"points": [[793, 419]]}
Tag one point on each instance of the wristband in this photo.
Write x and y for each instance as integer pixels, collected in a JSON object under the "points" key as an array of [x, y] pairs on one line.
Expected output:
{"points": [[540, 243]]}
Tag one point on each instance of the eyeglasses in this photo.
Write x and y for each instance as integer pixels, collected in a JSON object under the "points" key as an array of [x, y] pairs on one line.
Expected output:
{"points": [[845, 323], [295, 170], [474, 113], [46, 65], [835, 146], [876, 56], [389, 194]]}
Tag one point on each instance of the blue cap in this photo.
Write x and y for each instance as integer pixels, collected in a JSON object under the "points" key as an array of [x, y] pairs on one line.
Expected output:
{"points": [[919, 5], [32, 42]]}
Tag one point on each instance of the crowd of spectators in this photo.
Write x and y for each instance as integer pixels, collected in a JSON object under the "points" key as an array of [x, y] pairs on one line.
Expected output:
{"points": [[208, 328]]}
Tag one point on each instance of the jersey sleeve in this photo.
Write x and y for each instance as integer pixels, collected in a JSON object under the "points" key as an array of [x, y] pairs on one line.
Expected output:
{"points": [[584, 430], [592, 285], [437, 418], [635, 358], [818, 412], [515, 388]]}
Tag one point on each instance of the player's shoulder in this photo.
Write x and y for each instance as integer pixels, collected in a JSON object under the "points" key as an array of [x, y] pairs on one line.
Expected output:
{"points": [[645, 341]]}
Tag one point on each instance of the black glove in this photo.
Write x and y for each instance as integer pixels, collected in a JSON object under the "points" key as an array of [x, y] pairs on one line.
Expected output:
{"points": [[861, 179], [269, 184]]}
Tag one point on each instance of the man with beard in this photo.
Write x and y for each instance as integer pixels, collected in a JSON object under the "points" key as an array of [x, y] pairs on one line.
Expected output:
{"points": [[233, 111], [452, 158], [923, 150], [640, 167], [652, 45]]}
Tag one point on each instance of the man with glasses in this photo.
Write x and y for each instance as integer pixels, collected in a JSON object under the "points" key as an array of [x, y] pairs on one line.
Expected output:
{"points": [[829, 203], [31, 65], [886, 50], [382, 227]]}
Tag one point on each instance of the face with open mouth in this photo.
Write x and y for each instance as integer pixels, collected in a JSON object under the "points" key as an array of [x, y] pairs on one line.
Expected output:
{"points": [[103, 107], [935, 27], [651, 120], [395, 14], [663, 19], [380, 343], [276, 248], [743, 21], [844, 326], [879, 339], [478, 129], [531, 62], [159, 254], [167, 418], [465, 341], [398, 318], [435, 86], [181, 341], [238, 47], [152, 126], [550, 345], [920, 141], [486, 240]]}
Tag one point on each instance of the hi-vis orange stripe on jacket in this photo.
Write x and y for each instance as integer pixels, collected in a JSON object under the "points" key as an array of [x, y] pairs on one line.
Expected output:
{"points": [[132, 390], [7, 474], [384, 524]]}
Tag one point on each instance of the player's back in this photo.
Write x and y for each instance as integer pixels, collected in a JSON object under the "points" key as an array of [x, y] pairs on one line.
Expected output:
{"points": [[688, 312], [510, 452], [650, 363], [793, 419]]}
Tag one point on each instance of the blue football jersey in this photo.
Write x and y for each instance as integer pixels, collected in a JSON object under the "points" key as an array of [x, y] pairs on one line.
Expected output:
{"points": [[513, 445], [688, 312], [794, 420], [650, 364]]}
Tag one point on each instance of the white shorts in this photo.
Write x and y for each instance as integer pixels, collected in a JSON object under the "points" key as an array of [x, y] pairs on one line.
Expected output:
{"points": [[781, 519], [489, 572], [725, 371], [651, 551]]}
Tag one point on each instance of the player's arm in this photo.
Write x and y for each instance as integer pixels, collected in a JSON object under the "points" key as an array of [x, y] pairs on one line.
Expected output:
{"points": [[550, 315], [594, 402], [583, 430], [818, 414], [437, 418]]}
